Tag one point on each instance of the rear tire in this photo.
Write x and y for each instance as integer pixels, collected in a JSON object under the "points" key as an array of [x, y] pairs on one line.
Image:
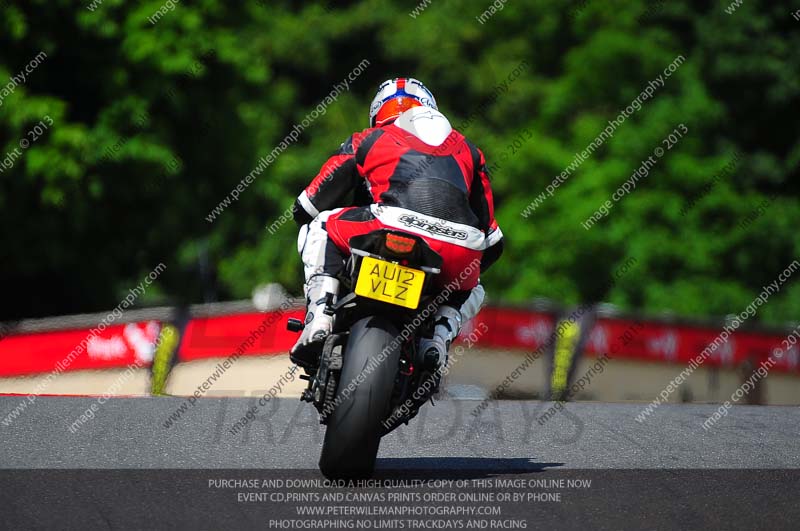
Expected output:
{"points": [[354, 428]]}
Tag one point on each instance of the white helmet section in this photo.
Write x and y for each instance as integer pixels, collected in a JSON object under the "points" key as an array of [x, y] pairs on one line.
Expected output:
{"points": [[429, 125], [408, 87]]}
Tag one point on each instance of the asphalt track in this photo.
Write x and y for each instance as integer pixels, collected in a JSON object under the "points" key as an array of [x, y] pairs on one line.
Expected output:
{"points": [[665, 473], [130, 433]]}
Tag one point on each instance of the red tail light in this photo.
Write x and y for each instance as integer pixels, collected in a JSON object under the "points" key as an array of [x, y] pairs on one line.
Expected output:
{"points": [[399, 244]]}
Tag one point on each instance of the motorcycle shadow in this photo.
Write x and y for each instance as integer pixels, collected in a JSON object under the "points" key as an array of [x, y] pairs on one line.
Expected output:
{"points": [[456, 467]]}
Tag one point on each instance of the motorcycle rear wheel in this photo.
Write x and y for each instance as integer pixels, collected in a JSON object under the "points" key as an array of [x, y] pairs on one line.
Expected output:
{"points": [[354, 429]]}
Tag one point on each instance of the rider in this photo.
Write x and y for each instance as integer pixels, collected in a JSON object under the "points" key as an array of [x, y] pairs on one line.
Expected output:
{"points": [[410, 171]]}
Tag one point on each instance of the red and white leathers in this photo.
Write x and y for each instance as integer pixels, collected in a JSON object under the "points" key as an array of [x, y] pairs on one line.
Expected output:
{"points": [[418, 175]]}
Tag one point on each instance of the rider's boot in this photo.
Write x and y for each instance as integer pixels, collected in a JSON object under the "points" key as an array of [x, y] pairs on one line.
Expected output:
{"points": [[318, 324], [447, 325]]}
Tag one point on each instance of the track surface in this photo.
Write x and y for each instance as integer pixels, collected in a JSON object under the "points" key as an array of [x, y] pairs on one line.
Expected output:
{"points": [[667, 473], [130, 433]]}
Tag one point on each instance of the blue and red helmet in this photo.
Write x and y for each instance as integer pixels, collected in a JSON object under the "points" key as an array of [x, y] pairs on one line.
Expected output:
{"points": [[396, 96]]}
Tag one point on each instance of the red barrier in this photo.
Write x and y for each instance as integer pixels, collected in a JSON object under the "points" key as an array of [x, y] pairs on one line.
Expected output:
{"points": [[265, 333], [72, 350], [511, 328], [636, 340], [217, 337]]}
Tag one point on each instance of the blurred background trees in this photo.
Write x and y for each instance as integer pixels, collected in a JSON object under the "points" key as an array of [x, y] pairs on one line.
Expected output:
{"points": [[154, 124]]}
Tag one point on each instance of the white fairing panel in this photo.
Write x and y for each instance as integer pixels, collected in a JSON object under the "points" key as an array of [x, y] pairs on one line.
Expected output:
{"points": [[427, 124]]}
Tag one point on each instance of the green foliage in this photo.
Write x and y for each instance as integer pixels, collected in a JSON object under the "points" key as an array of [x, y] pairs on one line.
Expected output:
{"points": [[154, 124]]}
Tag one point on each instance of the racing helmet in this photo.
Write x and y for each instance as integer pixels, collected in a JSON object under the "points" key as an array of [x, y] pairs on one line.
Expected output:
{"points": [[397, 95]]}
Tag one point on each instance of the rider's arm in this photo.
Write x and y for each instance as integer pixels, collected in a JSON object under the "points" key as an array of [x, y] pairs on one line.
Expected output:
{"points": [[482, 203], [338, 176]]}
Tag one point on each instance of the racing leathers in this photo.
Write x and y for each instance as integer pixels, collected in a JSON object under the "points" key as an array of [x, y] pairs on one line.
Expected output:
{"points": [[418, 175]]}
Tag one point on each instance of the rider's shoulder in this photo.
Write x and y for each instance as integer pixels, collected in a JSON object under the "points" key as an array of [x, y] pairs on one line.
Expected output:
{"points": [[351, 145], [360, 137]]}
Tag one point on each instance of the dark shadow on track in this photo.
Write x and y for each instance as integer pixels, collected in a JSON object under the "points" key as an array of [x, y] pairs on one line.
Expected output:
{"points": [[456, 467]]}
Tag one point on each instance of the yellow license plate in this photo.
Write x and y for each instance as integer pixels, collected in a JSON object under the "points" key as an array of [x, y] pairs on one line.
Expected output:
{"points": [[387, 282]]}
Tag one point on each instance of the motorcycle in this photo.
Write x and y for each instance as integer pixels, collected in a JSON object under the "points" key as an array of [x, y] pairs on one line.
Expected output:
{"points": [[369, 377]]}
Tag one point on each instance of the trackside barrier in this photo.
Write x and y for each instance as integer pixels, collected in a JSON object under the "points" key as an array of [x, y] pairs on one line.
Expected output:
{"points": [[220, 334]]}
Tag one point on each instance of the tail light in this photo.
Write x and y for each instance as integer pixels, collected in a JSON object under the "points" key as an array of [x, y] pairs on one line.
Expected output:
{"points": [[400, 244]]}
